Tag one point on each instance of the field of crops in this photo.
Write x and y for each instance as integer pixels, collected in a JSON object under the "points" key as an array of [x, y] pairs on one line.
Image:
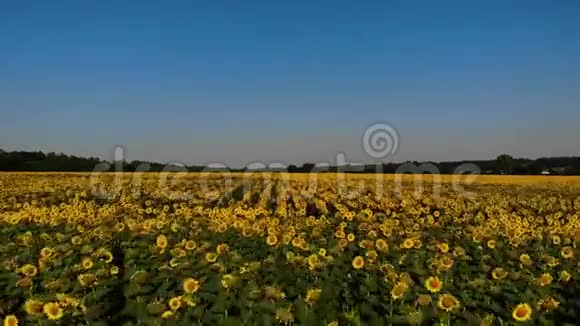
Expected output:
{"points": [[263, 249]]}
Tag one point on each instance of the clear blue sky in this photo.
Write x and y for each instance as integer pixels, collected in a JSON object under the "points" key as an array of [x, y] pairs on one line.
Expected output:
{"points": [[290, 81]]}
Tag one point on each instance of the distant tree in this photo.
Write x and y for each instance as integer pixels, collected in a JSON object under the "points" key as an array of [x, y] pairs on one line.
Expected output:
{"points": [[39, 161], [505, 163], [307, 167]]}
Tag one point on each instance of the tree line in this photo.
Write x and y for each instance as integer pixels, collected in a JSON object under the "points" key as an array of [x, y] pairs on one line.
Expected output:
{"points": [[503, 164]]}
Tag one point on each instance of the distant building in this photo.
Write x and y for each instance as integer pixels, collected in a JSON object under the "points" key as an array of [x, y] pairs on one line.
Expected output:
{"points": [[545, 172]]}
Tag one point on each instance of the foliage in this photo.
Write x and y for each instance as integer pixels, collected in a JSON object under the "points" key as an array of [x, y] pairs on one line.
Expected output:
{"points": [[266, 251], [52, 162]]}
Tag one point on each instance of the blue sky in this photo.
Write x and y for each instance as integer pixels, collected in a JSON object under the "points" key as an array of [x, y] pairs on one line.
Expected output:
{"points": [[243, 81]]}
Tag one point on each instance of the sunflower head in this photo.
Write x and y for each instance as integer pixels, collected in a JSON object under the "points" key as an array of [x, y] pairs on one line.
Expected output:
{"points": [[423, 300], [358, 262], [52, 310], [190, 285], [87, 279], [211, 257], [76, 240], [190, 245], [87, 263], [272, 240], [175, 303], [525, 259], [522, 312], [284, 316], [161, 241], [119, 227], [107, 256], [372, 255], [445, 263], [228, 281], [33, 307], [312, 296], [399, 290], [567, 252], [549, 303], [24, 283], [443, 247], [545, 279], [11, 320], [381, 245], [29, 270], [448, 302], [222, 248], [45, 252], [565, 276], [408, 243], [433, 284], [167, 314], [499, 273]]}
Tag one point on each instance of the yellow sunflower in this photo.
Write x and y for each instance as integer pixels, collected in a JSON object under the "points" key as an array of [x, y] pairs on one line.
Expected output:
{"points": [[423, 300], [52, 310], [222, 248], [114, 270], [433, 284], [29, 270], [408, 244], [284, 316], [190, 285], [358, 262], [565, 276], [525, 259], [190, 245], [162, 241], [545, 279], [45, 252], [107, 257], [522, 312], [272, 240], [399, 290], [87, 263], [499, 273], [211, 257], [11, 320], [175, 302], [443, 247], [312, 296], [549, 303], [445, 263], [567, 252], [448, 302], [33, 307], [381, 245], [167, 314]]}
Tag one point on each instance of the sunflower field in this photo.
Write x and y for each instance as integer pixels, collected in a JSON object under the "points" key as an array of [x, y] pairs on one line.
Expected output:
{"points": [[304, 249]]}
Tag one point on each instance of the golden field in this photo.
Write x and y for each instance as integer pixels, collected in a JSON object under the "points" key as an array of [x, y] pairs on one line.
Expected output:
{"points": [[306, 249]]}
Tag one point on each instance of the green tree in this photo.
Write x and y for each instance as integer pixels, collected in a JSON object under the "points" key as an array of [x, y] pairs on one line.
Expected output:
{"points": [[505, 163]]}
